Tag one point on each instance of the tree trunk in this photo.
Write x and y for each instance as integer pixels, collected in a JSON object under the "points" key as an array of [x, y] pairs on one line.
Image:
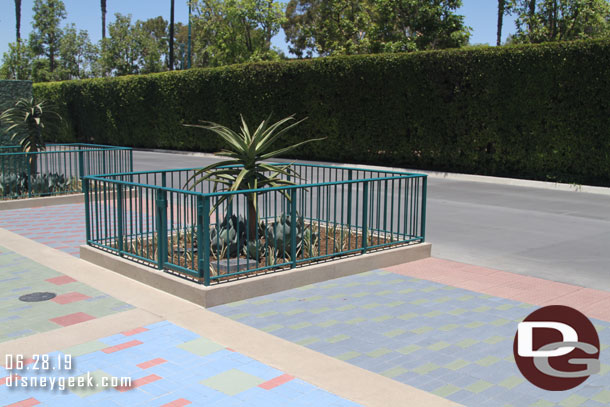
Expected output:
{"points": [[500, 21], [33, 158], [171, 36], [51, 59], [531, 15], [18, 20], [553, 22], [252, 220], [103, 5]]}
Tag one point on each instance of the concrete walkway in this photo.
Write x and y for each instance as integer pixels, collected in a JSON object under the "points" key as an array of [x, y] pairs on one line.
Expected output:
{"points": [[440, 326], [176, 353], [430, 326]]}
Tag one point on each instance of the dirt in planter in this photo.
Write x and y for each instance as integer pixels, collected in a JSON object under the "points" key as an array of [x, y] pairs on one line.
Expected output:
{"points": [[329, 243]]}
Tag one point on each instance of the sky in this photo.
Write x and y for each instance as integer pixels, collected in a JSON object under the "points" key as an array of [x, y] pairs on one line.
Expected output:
{"points": [[480, 15]]}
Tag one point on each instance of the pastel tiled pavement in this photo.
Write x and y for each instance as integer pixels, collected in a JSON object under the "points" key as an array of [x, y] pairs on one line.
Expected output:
{"points": [[450, 341], [61, 227], [75, 302], [431, 335], [168, 366], [531, 290]]}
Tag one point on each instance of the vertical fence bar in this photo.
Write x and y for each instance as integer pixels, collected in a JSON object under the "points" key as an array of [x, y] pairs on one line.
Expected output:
{"points": [[161, 206], [349, 199], [119, 209], [28, 168], [87, 212], [293, 227], [203, 237], [423, 208], [81, 166], [365, 215]]}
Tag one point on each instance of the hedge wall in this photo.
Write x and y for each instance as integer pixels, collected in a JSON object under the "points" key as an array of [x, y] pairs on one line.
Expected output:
{"points": [[539, 111]]}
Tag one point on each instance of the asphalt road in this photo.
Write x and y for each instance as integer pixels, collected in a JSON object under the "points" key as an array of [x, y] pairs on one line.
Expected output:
{"points": [[557, 235]]}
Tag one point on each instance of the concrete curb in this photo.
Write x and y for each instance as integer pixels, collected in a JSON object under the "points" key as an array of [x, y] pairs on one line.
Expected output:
{"points": [[224, 293], [40, 202], [435, 174]]}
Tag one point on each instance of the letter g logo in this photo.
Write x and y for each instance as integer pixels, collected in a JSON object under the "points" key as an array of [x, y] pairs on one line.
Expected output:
{"points": [[556, 348]]}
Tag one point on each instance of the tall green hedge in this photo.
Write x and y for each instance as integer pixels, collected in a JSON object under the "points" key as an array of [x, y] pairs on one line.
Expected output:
{"points": [[540, 111]]}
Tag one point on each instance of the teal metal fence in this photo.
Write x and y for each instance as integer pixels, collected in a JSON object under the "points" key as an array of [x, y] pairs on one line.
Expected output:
{"points": [[155, 218], [58, 169]]}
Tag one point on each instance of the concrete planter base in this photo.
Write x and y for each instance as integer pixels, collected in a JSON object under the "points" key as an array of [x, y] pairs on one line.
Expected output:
{"points": [[41, 201], [224, 293]]}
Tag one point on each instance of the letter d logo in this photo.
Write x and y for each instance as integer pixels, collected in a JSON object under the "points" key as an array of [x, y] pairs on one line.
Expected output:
{"points": [[556, 348], [526, 339]]}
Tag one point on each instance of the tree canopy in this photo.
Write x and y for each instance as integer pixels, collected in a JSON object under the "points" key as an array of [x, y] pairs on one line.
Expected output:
{"points": [[236, 31], [560, 20], [330, 27]]}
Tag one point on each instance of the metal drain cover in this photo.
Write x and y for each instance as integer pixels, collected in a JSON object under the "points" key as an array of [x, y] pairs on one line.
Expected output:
{"points": [[37, 297]]}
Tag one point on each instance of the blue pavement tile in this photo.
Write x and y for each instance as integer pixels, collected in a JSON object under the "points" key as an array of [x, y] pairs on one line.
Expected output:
{"points": [[259, 370], [430, 322], [180, 376]]}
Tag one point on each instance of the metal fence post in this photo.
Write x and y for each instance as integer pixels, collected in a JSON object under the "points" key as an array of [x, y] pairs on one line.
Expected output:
{"points": [[293, 227], [203, 237], [423, 208], [119, 209], [81, 166], [161, 206], [131, 165], [349, 199], [365, 216], [87, 212], [28, 168]]}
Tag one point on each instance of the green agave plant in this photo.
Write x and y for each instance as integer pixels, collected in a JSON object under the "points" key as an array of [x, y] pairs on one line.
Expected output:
{"points": [[29, 121], [247, 150]]}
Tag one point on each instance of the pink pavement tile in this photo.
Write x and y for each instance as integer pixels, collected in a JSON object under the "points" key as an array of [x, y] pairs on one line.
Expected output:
{"points": [[599, 310], [276, 381], [530, 290], [140, 382], [134, 331], [177, 403], [28, 361], [581, 298], [539, 291], [151, 363], [121, 346], [72, 319], [4, 379], [25, 403], [438, 270], [423, 267], [70, 298], [61, 280]]}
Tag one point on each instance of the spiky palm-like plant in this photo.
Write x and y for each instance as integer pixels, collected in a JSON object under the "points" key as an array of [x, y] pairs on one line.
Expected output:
{"points": [[29, 121], [246, 169]]}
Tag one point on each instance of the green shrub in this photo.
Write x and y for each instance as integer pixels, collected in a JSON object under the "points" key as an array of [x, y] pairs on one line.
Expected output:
{"points": [[536, 111]]}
